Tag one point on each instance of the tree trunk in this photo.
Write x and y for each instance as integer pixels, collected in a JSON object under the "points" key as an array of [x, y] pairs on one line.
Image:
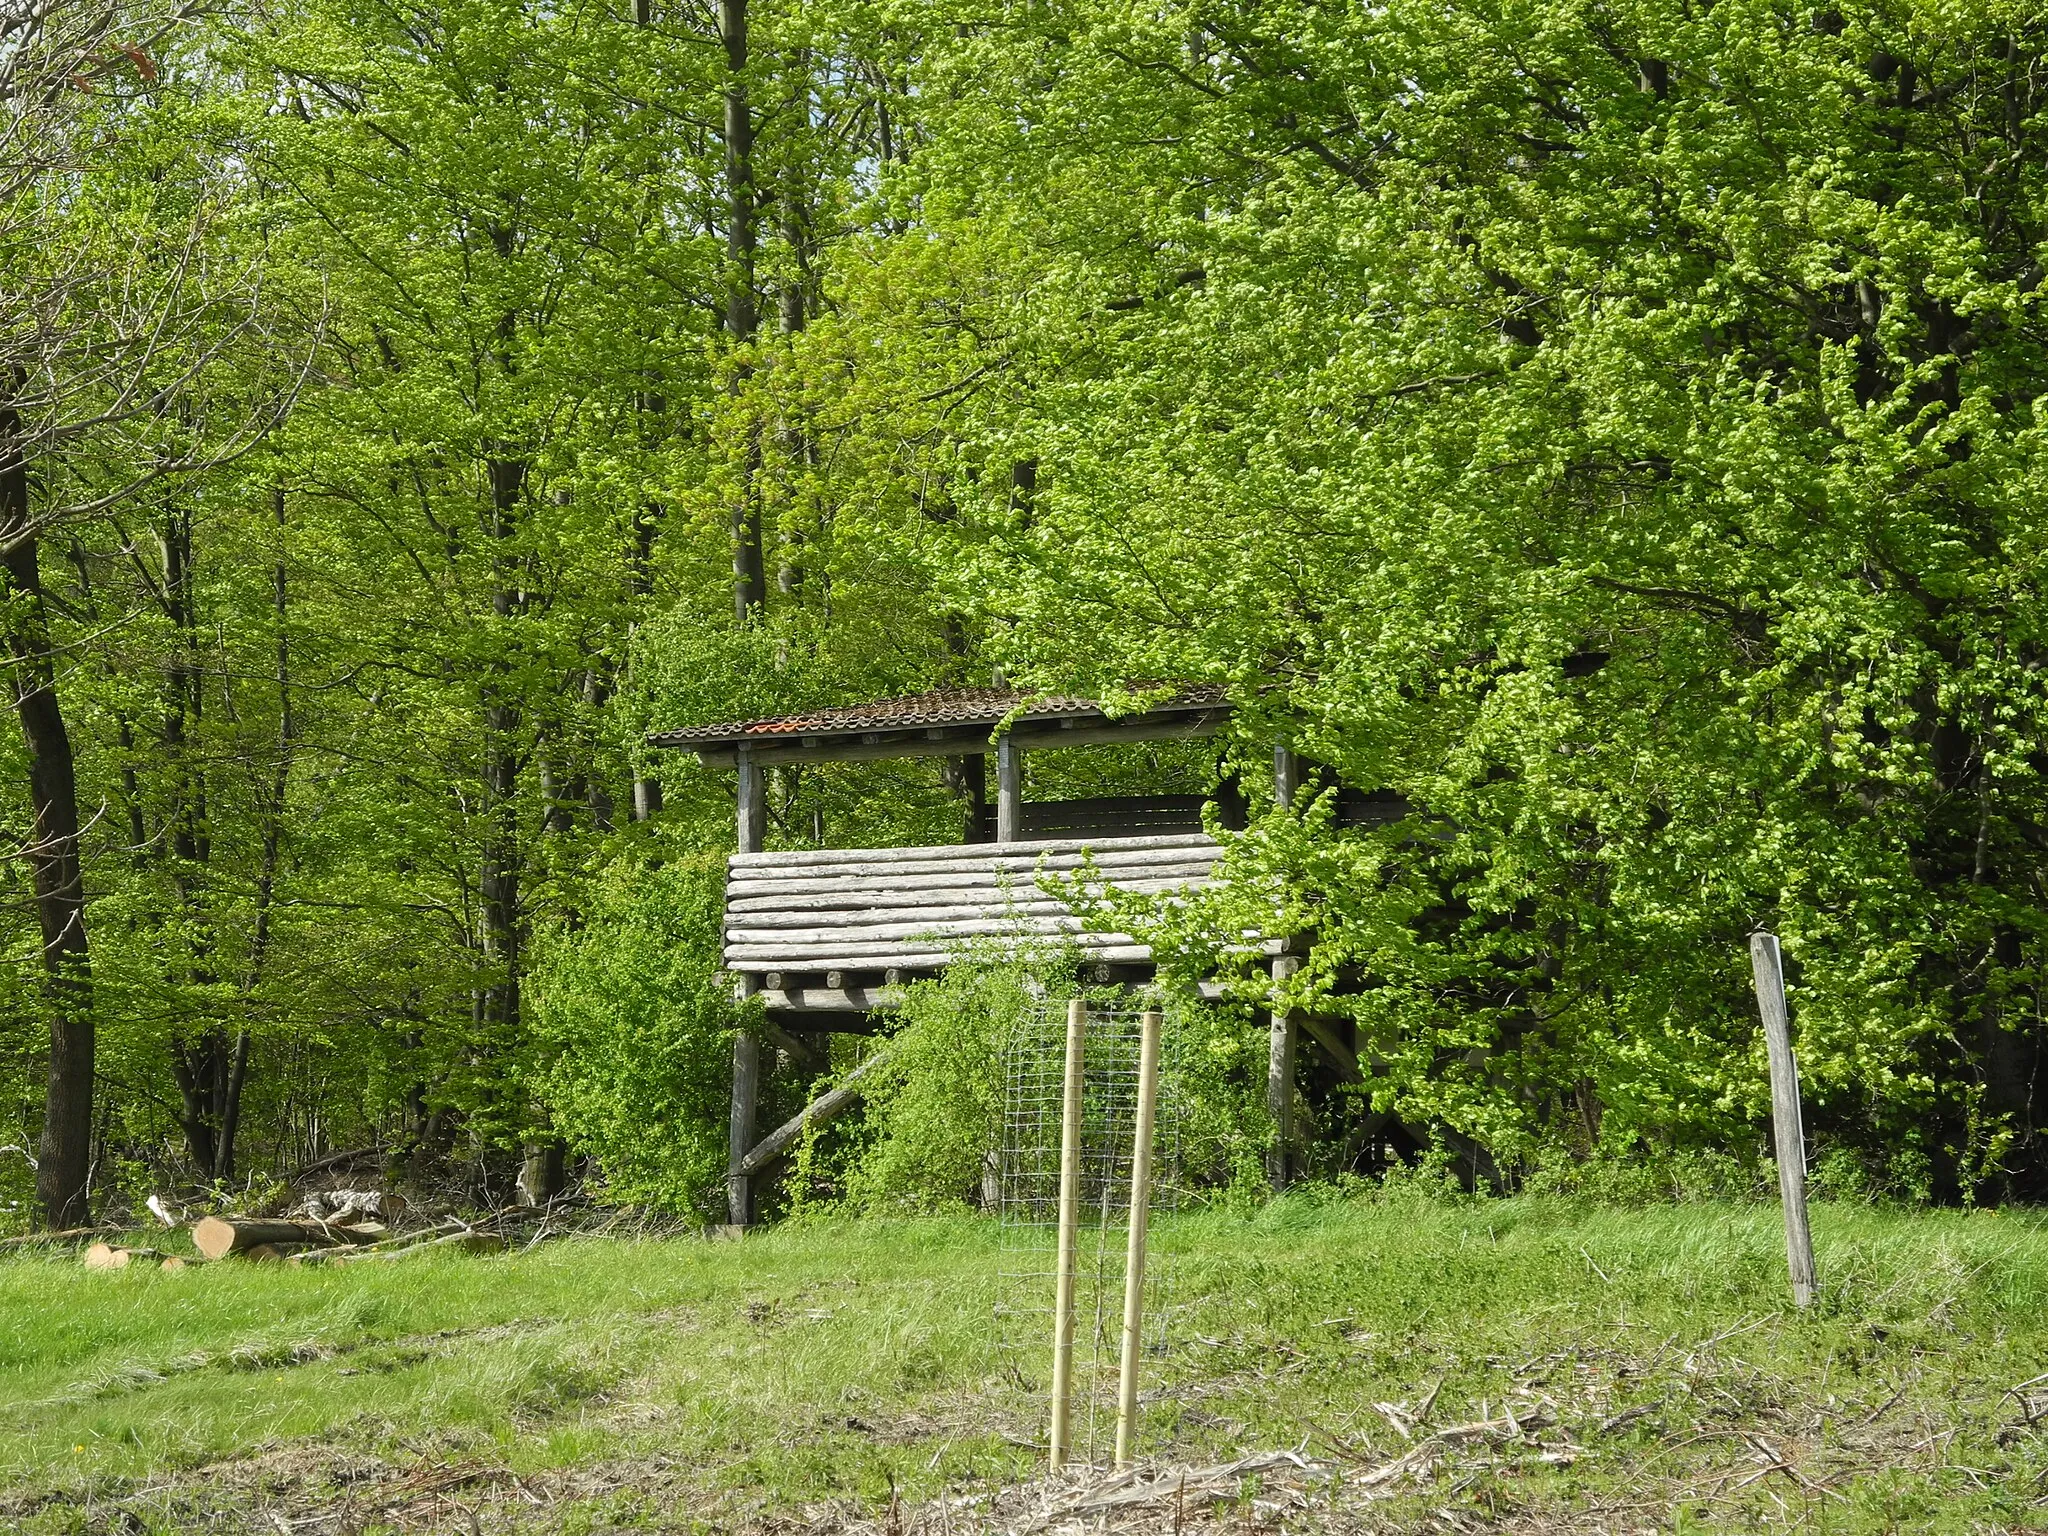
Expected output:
{"points": [[64, 1169], [209, 1066], [742, 316], [498, 883]]}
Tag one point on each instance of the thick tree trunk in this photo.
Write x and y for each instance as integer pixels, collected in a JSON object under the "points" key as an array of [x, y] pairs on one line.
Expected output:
{"points": [[64, 1168]]}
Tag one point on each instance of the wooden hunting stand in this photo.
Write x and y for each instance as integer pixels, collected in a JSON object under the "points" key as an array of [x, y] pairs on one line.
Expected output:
{"points": [[826, 937]]}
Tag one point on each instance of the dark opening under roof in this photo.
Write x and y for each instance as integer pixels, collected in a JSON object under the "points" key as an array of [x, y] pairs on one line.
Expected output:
{"points": [[948, 722]]}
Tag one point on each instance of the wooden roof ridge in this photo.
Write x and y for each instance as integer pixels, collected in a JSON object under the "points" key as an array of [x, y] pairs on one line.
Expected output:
{"points": [[932, 710]]}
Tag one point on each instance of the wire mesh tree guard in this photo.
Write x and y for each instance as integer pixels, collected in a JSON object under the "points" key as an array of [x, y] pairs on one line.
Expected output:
{"points": [[1094, 1324]]}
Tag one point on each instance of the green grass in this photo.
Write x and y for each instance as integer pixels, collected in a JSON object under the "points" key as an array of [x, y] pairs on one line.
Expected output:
{"points": [[688, 1384]]}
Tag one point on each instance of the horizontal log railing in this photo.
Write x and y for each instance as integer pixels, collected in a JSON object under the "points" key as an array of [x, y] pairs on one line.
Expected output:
{"points": [[916, 909]]}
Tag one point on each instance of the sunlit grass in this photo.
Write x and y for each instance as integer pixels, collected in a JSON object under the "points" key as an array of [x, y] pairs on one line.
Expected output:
{"points": [[847, 1359]]}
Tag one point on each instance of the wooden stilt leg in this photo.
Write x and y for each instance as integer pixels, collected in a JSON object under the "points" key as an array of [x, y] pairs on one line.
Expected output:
{"points": [[746, 1091]]}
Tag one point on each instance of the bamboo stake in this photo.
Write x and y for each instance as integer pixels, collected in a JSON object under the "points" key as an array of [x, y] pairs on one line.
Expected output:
{"points": [[1134, 1260], [1070, 1221], [1767, 963]]}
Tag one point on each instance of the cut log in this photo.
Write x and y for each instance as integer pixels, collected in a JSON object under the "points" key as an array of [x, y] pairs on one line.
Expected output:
{"points": [[218, 1236], [264, 1253], [107, 1256], [172, 1263]]}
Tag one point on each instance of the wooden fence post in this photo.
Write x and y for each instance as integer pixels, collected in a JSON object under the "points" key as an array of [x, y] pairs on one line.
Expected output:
{"points": [[1281, 1035], [1767, 964], [1067, 1262], [1134, 1259]]}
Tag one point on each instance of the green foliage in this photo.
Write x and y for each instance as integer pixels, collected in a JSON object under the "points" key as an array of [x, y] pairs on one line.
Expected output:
{"points": [[1609, 437], [632, 1028], [933, 1111]]}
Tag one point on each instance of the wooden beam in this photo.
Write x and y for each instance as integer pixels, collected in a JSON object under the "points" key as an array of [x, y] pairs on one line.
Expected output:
{"points": [[1324, 1034], [1067, 851], [968, 740], [856, 910], [821, 1109], [881, 957], [753, 805], [1009, 789], [984, 922]]}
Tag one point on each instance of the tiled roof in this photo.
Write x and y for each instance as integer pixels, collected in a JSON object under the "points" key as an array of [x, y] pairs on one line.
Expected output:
{"points": [[942, 706]]}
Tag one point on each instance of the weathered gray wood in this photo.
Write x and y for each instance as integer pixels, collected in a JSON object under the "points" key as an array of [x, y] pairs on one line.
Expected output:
{"points": [[753, 806], [820, 1110], [832, 999], [791, 915], [907, 959], [985, 924], [851, 955], [746, 1090], [1009, 789], [1325, 1035], [1768, 967], [1286, 775], [1027, 856], [930, 875], [914, 890], [1280, 1036]]}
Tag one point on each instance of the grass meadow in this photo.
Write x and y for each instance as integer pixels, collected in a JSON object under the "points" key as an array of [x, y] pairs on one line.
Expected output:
{"points": [[850, 1376]]}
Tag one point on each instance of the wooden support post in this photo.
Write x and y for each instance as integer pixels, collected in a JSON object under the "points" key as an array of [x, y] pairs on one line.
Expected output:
{"points": [[1286, 775], [753, 805], [1768, 965], [1134, 1258], [746, 1096], [1280, 1040], [1066, 1263], [752, 832], [1009, 789]]}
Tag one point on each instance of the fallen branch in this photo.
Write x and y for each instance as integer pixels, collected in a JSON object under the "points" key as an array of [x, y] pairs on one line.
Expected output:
{"points": [[68, 1235]]}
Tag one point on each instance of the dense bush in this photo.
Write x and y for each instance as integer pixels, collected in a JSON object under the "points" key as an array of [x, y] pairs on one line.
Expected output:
{"points": [[633, 1025]]}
